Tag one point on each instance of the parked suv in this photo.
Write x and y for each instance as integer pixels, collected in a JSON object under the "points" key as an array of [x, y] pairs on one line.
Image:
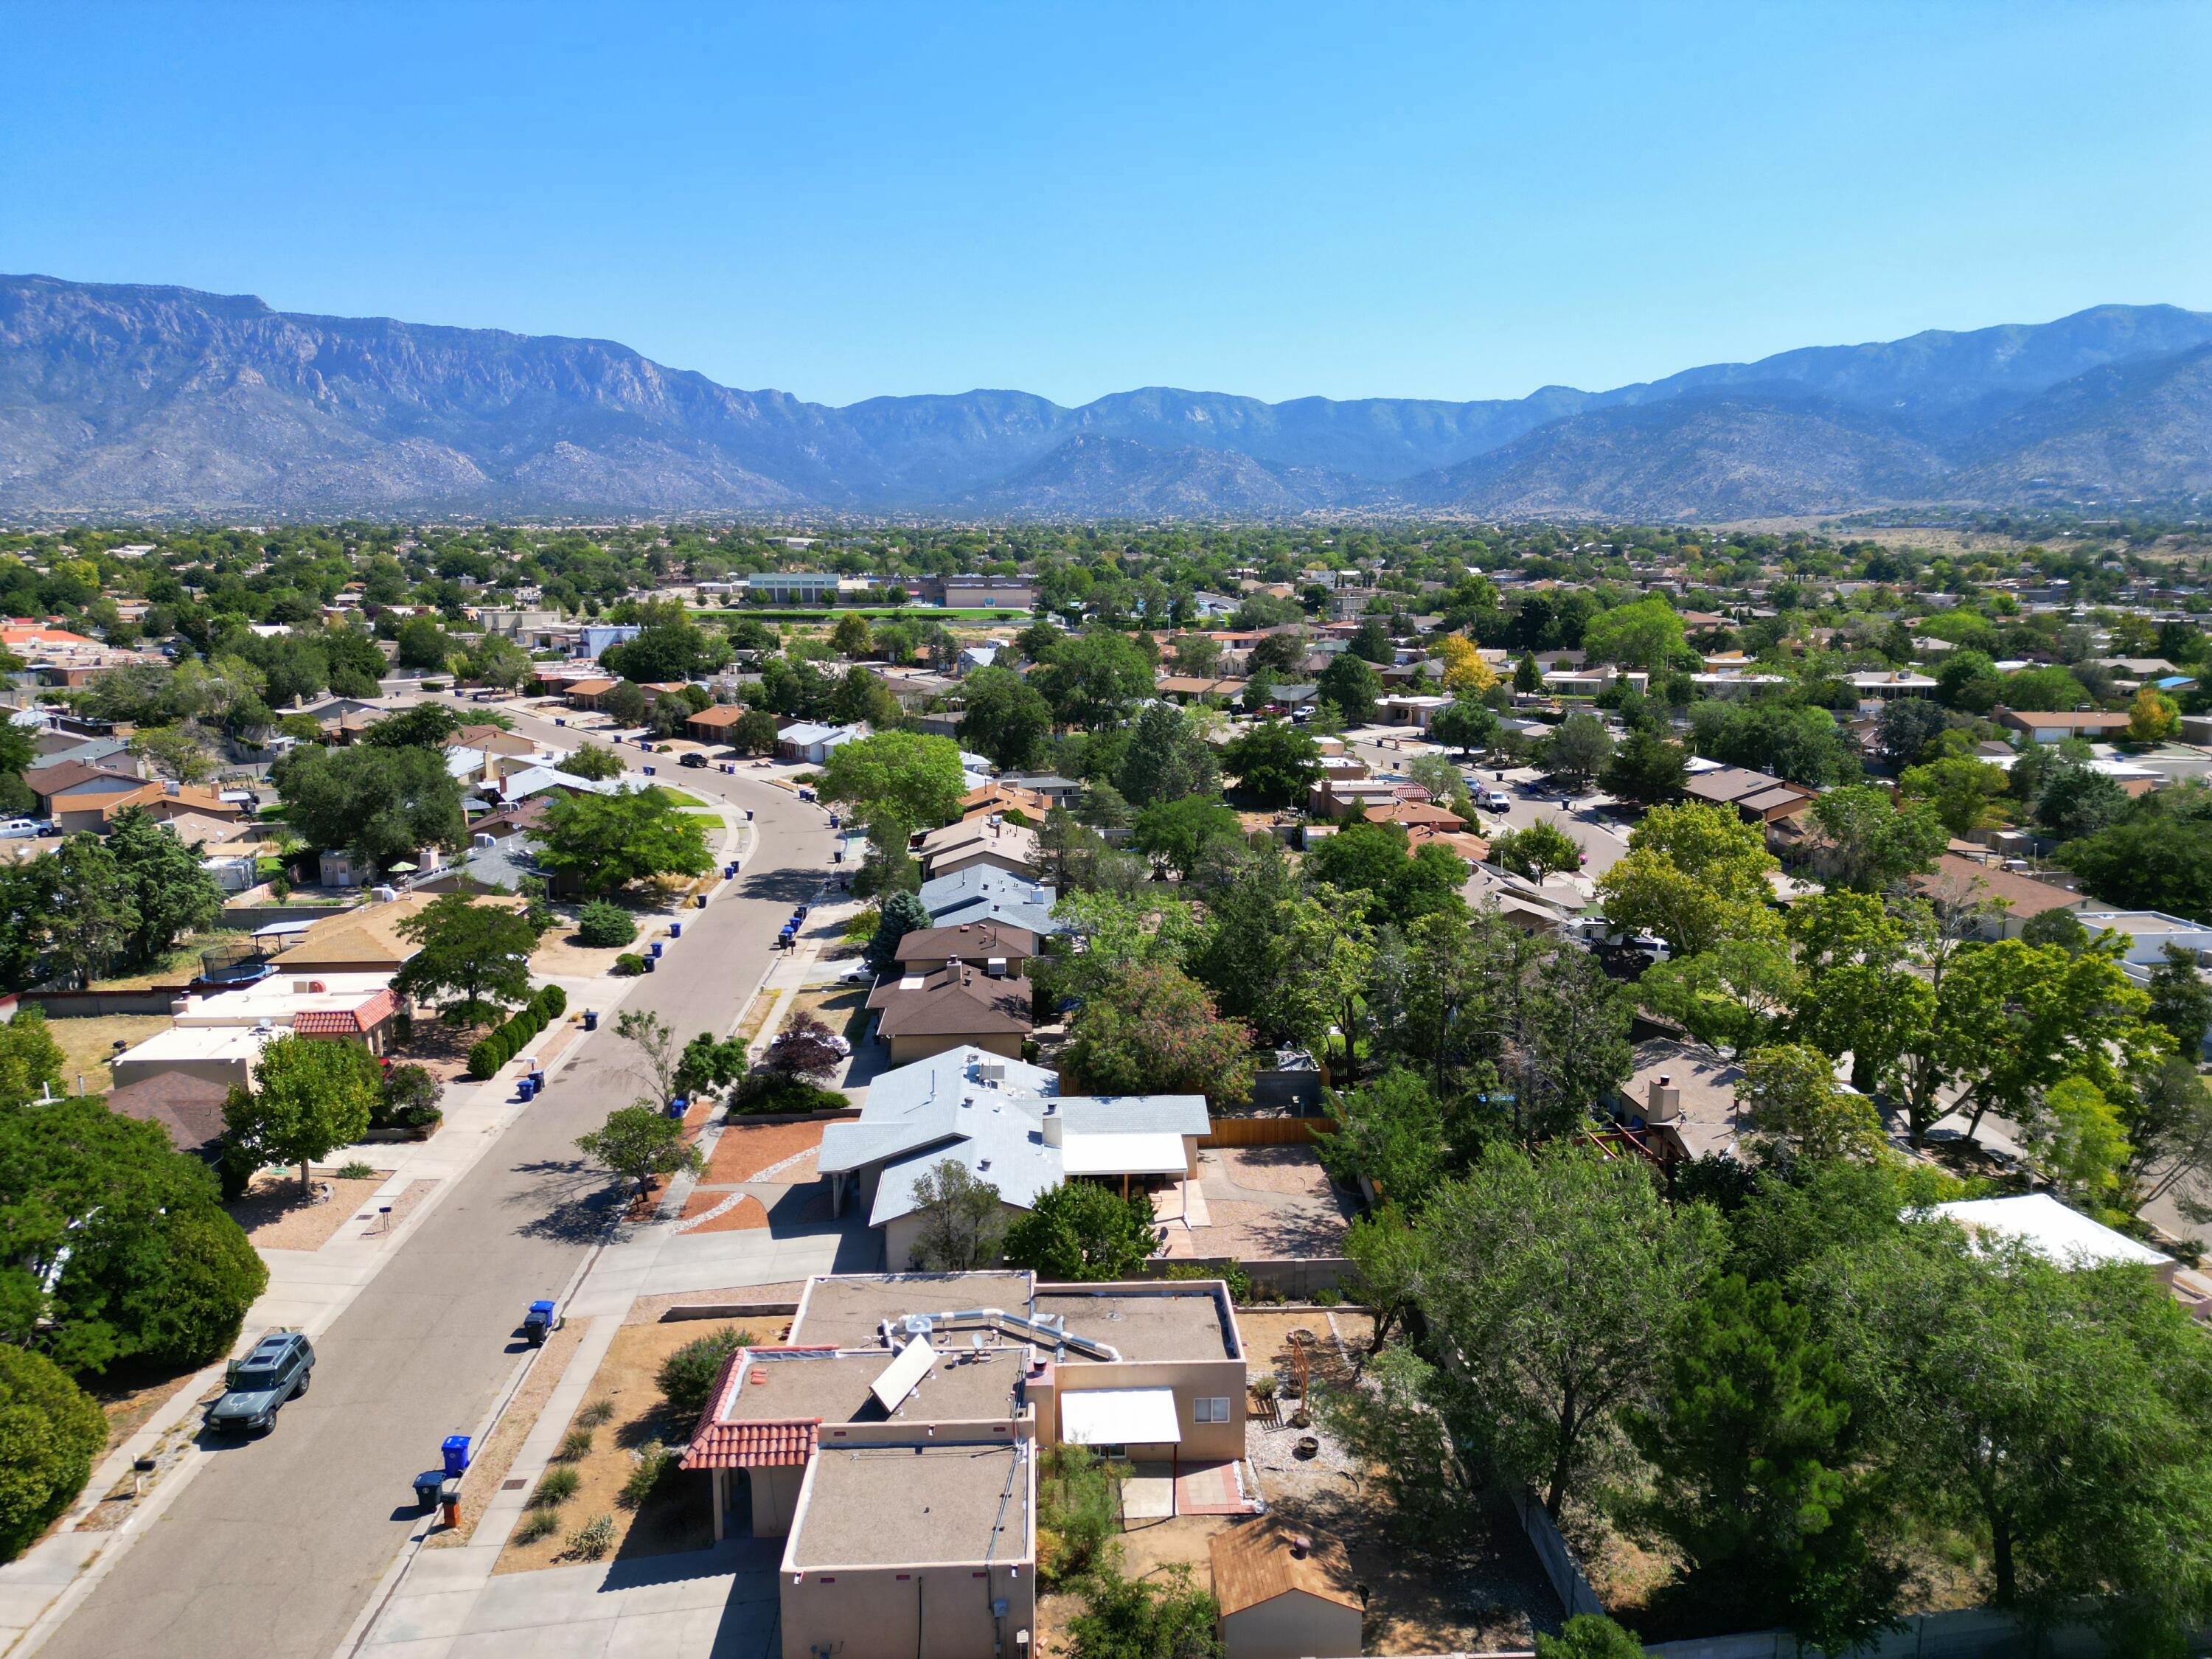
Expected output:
{"points": [[255, 1389], [695, 758], [1497, 800]]}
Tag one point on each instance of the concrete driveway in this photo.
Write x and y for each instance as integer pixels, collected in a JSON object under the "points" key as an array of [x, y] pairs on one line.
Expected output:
{"points": [[277, 1543]]}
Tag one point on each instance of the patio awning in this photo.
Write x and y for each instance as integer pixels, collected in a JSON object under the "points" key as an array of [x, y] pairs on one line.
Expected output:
{"points": [[1123, 1154], [1120, 1417]]}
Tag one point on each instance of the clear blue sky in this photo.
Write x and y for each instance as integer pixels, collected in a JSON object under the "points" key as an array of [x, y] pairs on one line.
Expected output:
{"points": [[1382, 199]]}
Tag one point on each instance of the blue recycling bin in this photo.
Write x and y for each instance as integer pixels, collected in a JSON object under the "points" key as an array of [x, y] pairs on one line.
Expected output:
{"points": [[648, 770], [729, 869], [653, 949], [678, 1106], [527, 1087], [456, 1450], [701, 901], [676, 930], [591, 1019], [749, 815]]}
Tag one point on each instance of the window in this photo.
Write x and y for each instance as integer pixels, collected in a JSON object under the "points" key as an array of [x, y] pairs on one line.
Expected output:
{"points": [[1211, 1409]]}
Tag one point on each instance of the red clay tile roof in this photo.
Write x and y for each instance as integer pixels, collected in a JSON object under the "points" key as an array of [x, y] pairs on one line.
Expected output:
{"points": [[759, 1445], [345, 1022]]}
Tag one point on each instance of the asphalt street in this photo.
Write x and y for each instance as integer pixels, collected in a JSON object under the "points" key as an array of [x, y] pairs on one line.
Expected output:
{"points": [[277, 1544]]}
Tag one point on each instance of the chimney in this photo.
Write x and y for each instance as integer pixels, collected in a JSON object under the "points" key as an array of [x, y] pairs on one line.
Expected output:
{"points": [[1665, 1105], [952, 965], [1055, 1125]]}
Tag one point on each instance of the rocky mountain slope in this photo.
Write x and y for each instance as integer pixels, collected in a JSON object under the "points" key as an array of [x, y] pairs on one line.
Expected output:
{"points": [[116, 399]]}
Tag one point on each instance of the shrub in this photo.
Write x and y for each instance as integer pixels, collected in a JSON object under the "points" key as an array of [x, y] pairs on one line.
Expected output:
{"points": [[209, 1275], [576, 1443], [408, 1098], [654, 1463], [593, 1539], [628, 965], [1079, 1510], [485, 1058], [1239, 1281], [862, 927], [552, 1002], [355, 1171], [687, 1376], [602, 926], [538, 1523], [50, 1433], [597, 1414], [556, 1487], [765, 1091]]}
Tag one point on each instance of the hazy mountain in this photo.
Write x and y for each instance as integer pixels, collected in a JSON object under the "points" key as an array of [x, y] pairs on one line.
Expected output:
{"points": [[120, 398], [1094, 477]]}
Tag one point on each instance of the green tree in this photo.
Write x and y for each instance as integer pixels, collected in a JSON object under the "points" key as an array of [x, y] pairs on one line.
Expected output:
{"points": [[1391, 1130], [1578, 748], [1527, 679], [592, 763], [606, 842], [1166, 1617], [2147, 864], [384, 805], [92, 921], [1905, 727], [496, 662], [1646, 770], [1352, 687], [1534, 852], [466, 946], [1757, 1490], [903, 913], [176, 752], [2180, 1001], [1082, 1230], [901, 775], [1181, 832], [1872, 845], [1694, 875], [424, 725], [310, 1096], [423, 644], [112, 1242], [627, 704], [1557, 1278], [851, 637], [1091, 679], [2153, 716], [30, 1059], [640, 1143], [964, 1221], [1466, 725], [754, 733], [2077, 801], [1793, 1111], [1166, 759], [1005, 717], [50, 1431], [163, 881], [1646, 634], [1730, 996], [1152, 1030], [1964, 792], [1589, 1636], [1274, 762]]}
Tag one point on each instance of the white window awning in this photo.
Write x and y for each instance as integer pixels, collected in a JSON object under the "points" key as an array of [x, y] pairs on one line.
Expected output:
{"points": [[1123, 1154], [1120, 1417]]}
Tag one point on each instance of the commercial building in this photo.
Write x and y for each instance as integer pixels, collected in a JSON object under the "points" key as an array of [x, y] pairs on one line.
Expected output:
{"points": [[793, 586]]}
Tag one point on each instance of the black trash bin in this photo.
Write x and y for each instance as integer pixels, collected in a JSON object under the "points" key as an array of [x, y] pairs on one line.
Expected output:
{"points": [[427, 1486]]}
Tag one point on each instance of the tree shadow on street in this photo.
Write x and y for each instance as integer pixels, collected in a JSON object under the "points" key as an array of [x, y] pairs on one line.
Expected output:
{"points": [[571, 1202]]}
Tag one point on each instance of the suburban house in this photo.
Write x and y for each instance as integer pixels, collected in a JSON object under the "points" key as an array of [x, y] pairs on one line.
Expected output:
{"points": [[1884, 685], [589, 693], [1961, 882], [986, 840], [1004, 798], [190, 1107], [1060, 792], [714, 723], [2089, 723], [77, 796], [983, 893], [1285, 1594], [811, 742], [357, 1007], [1007, 1123], [1410, 709], [892, 1441], [364, 940], [1756, 797], [998, 949], [922, 1012], [1681, 1101]]}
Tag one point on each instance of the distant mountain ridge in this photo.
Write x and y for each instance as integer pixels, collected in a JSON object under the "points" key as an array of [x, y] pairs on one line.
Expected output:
{"points": [[120, 399]]}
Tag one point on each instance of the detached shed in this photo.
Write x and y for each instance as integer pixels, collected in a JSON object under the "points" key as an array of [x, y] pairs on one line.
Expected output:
{"points": [[1285, 1593]]}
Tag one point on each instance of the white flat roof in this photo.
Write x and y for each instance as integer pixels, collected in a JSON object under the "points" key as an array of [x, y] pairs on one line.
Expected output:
{"points": [[1137, 1154], [203, 1042], [2052, 1229], [1120, 1417]]}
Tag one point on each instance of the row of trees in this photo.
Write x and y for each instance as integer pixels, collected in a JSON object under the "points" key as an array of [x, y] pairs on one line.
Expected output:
{"points": [[96, 905]]}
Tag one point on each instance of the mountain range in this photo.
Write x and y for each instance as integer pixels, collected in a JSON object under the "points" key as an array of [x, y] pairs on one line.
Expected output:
{"points": [[124, 399]]}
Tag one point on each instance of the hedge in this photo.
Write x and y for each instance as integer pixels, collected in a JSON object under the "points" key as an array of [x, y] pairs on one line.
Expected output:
{"points": [[503, 1044]]}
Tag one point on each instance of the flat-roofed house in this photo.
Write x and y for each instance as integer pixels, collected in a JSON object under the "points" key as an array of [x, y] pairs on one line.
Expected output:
{"points": [[892, 1441]]}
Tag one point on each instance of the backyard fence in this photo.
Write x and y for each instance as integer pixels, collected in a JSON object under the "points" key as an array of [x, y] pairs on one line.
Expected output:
{"points": [[1265, 1131]]}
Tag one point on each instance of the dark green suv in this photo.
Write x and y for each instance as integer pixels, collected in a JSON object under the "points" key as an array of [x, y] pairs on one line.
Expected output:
{"points": [[257, 1386]]}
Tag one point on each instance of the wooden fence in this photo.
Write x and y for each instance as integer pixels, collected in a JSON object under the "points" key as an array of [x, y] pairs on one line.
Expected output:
{"points": [[1265, 1131]]}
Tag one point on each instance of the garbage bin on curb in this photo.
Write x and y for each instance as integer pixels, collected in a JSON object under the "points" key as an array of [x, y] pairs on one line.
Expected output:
{"points": [[456, 1450], [651, 963], [676, 930], [701, 901], [527, 1087], [427, 1486], [449, 1501], [591, 1019]]}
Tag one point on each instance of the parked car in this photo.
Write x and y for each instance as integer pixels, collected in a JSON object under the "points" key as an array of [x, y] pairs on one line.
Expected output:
{"points": [[1497, 800], [694, 759], [256, 1387], [21, 828]]}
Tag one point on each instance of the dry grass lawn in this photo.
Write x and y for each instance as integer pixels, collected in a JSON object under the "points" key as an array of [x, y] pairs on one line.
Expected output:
{"points": [[277, 1216], [679, 1516], [89, 1043], [844, 1010]]}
